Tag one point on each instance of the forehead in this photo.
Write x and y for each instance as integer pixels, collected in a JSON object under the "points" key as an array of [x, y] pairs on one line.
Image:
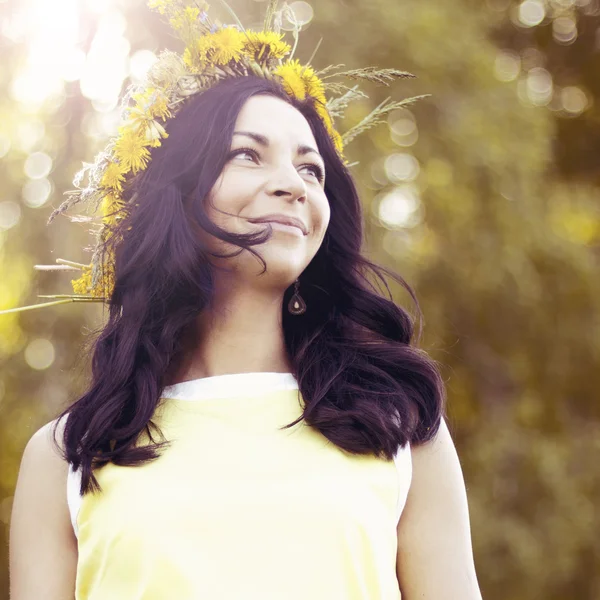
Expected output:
{"points": [[276, 119]]}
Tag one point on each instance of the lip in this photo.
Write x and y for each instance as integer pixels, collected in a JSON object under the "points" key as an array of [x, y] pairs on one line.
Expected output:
{"points": [[284, 220]]}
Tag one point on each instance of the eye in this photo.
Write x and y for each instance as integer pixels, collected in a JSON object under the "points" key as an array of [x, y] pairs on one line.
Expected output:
{"points": [[315, 169], [247, 151]]}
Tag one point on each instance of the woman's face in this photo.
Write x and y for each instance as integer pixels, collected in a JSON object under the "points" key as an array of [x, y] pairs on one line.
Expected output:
{"points": [[274, 171]]}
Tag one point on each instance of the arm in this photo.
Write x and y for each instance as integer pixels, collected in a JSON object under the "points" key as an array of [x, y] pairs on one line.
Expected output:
{"points": [[43, 546], [435, 556]]}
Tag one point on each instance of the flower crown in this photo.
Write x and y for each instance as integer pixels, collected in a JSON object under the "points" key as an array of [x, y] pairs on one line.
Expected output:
{"points": [[213, 52]]}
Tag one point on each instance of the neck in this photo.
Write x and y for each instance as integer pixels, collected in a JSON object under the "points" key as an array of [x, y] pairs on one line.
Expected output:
{"points": [[241, 333]]}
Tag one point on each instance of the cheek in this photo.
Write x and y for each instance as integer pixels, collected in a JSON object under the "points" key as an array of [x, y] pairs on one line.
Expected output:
{"points": [[321, 215], [229, 195]]}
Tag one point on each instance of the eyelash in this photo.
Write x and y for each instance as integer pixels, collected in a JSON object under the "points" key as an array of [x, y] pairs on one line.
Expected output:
{"points": [[318, 171]]}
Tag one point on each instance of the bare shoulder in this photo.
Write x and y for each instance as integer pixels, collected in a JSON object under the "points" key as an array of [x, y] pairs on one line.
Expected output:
{"points": [[42, 456], [43, 547], [42, 464], [437, 454], [42, 441], [437, 480], [435, 556]]}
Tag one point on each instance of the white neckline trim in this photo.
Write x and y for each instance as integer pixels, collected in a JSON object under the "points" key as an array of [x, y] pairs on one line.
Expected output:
{"points": [[230, 386]]}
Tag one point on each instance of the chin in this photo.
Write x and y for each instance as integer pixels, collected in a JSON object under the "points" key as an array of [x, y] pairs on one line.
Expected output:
{"points": [[284, 272], [282, 268]]}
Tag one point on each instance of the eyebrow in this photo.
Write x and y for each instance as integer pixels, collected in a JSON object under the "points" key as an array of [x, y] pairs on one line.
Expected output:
{"points": [[264, 141]]}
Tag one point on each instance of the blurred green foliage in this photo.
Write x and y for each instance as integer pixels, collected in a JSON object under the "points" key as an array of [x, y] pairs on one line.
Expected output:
{"points": [[483, 196]]}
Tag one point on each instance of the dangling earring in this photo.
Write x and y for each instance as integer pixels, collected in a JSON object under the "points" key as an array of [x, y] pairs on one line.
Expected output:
{"points": [[296, 305]]}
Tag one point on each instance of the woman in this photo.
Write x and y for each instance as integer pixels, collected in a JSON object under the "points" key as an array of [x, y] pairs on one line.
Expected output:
{"points": [[257, 422]]}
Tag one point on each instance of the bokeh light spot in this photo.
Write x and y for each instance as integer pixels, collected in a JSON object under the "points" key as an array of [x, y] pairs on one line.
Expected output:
{"points": [[37, 165], [539, 86], [399, 207], [405, 140], [33, 87], [10, 214], [507, 66], [378, 173], [100, 126], [29, 133], [139, 64], [73, 65], [401, 167], [35, 193], [106, 62], [564, 30], [531, 13], [39, 354], [403, 127], [299, 14], [105, 105], [574, 100], [402, 123]]}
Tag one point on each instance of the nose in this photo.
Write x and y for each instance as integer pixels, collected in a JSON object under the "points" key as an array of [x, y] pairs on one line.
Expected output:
{"points": [[287, 182]]}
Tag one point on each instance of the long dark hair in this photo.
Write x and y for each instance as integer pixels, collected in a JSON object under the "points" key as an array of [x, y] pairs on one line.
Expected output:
{"points": [[365, 387]]}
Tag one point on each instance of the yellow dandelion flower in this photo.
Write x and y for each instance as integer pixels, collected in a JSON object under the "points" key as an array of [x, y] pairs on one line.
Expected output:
{"points": [[83, 285], [184, 18], [313, 85], [324, 114], [219, 48], [204, 46], [226, 45], [107, 282], [265, 44], [337, 141], [188, 59], [106, 279], [153, 133], [152, 104], [131, 149], [328, 122], [111, 206], [113, 177], [293, 83], [300, 81], [150, 131], [195, 56]]}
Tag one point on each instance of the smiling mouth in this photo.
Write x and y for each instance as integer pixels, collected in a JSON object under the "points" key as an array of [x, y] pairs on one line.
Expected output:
{"points": [[283, 223], [278, 226]]}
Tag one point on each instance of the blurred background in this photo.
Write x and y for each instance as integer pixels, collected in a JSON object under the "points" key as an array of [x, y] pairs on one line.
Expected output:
{"points": [[484, 196]]}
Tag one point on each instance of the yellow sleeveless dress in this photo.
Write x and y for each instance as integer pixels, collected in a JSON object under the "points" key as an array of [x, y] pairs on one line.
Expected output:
{"points": [[237, 509]]}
